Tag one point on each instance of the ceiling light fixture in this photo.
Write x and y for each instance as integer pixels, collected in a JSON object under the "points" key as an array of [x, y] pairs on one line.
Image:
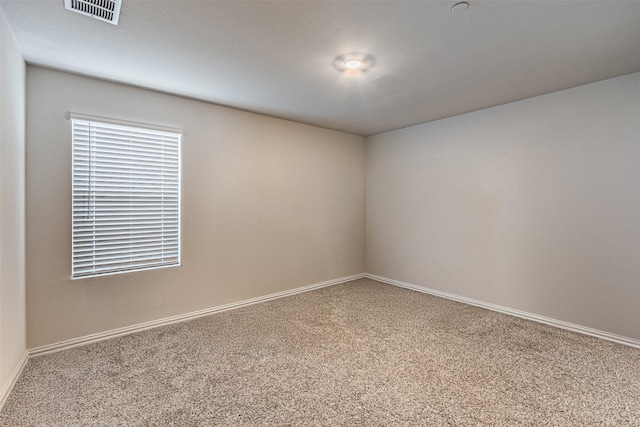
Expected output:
{"points": [[352, 63]]}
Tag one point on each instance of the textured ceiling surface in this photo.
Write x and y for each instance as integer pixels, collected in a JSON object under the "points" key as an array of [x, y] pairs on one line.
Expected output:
{"points": [[275, 57]]}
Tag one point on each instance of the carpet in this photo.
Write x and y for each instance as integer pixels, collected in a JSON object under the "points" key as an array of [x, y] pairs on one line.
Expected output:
{"points": [[361, 353]]}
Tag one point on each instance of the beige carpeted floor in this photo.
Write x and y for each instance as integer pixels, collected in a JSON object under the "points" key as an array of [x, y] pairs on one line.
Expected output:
{"points": [[356, 354]]}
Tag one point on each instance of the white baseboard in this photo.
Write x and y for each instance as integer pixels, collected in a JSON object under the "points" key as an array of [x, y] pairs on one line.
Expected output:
{"points": [[631, 342], [4, 394], [88, 339]]}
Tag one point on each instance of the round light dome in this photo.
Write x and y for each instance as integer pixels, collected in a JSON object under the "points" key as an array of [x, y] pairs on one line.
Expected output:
{"points": [[353, 62]]}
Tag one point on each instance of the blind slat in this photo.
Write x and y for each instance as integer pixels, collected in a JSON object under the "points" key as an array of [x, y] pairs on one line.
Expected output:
{"points": [[80, 248], [111, 257]]}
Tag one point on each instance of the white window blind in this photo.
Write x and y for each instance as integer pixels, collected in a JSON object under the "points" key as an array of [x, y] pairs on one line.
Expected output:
{"points": [[126, 197]]}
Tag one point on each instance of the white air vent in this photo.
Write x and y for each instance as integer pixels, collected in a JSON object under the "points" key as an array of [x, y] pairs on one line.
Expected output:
{"points": [[104, 10]]}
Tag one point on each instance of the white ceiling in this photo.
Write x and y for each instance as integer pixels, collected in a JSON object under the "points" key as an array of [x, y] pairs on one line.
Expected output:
{"points": [[275, 57]]}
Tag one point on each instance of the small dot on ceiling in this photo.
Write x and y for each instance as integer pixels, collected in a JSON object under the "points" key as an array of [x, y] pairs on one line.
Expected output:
{"points": [[460, 7]]}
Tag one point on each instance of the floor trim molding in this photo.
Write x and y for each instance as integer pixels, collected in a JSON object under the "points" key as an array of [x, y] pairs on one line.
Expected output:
{"points": [[631, 342], [101, 336], [13, 378]]}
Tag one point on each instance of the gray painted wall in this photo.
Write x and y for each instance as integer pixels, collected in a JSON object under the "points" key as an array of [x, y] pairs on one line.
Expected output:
{"points": [[267, 205], [533, 205], [12, 207]]}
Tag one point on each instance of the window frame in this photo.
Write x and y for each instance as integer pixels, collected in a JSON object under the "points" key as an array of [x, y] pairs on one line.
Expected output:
{"points": [[157, 241]]}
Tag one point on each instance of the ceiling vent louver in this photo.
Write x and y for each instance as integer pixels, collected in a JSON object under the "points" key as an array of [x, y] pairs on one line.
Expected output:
{"points": [[104, 10]]}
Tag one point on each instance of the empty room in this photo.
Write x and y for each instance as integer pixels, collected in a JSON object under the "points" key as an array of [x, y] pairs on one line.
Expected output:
{"points": [[319, 213]]}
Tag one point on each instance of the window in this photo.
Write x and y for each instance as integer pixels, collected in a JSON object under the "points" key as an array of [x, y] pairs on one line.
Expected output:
{"points": [[126, 196]]}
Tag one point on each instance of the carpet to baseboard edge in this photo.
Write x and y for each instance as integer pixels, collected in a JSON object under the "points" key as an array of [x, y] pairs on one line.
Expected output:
{"points": [[88, 339]]}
